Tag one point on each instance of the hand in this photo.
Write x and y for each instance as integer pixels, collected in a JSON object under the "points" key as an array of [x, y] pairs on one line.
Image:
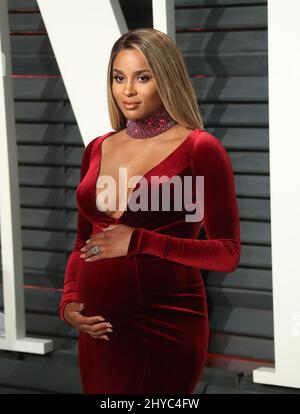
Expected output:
{"points": [[89, 325], [113, 241]]}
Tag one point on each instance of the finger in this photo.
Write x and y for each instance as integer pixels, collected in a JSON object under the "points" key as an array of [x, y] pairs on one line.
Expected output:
{"points": [[87, 248], [85, 328], [92, 241], [94, 328], [100, 327], [94, 257], [100, 332], [88, 253], [100, 337], [89, 320]]}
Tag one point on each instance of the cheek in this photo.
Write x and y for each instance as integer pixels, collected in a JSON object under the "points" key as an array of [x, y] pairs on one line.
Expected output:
{"points": [[115, 90], [151, 94]]}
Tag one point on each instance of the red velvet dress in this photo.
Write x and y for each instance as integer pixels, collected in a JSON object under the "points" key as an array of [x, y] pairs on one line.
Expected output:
{"points": [[154, 296]]}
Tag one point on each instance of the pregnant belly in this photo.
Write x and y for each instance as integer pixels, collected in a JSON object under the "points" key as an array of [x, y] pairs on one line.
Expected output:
{"points": [[110, 288]]}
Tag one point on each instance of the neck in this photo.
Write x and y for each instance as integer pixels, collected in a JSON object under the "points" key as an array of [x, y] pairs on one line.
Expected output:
{"points": [[153, 125]]}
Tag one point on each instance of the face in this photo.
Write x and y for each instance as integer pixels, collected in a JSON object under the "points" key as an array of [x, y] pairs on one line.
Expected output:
{"points": [[133, 81]]}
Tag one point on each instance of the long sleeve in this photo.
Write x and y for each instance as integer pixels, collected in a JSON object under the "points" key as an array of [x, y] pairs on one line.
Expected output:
{"points": [[84, 229], [221, 250]]}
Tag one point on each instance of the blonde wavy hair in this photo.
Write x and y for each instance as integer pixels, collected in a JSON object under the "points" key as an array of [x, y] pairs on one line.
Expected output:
{"points": [[168, 67]]}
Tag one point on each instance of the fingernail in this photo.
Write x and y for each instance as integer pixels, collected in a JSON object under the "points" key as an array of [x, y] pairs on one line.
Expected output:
{"points": [[109, 330], [88, 240], [106, 337]]}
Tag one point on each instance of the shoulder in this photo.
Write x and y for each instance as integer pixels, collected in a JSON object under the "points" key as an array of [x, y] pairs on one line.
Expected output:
{"points": [[209, 153], [206, 144], [90, 145]]}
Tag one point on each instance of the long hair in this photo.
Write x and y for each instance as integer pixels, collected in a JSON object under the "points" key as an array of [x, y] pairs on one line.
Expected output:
{"points": [[168, 67]]}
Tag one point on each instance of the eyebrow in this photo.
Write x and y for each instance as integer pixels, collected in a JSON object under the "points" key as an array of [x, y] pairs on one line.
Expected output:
{"points": [[137, 71]]}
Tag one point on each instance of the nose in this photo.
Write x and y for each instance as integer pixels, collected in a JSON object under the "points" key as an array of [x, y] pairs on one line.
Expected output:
{"points": [[129, 89]]}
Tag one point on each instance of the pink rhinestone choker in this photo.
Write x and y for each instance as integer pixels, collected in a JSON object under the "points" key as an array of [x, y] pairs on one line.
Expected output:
{"points": [[148, 127]]}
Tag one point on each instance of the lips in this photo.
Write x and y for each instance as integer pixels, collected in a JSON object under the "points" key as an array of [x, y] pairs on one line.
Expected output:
{"points": [[130, 104]]}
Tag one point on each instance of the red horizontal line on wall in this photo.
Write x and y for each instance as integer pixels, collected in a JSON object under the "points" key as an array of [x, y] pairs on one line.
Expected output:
{"points": [[38, 287], [213, 357], [27, 33], [23, 11], [221, 29], [25, 76], [239, 4]]}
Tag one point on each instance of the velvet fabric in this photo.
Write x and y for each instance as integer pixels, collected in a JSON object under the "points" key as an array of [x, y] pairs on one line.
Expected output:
{"points": [[154, 296]]}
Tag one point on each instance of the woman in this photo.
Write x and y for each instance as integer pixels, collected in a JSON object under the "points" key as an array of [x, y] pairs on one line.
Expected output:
{"points": [[137, 270]]}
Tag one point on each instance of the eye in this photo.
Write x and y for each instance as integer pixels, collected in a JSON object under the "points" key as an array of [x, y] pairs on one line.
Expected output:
{"points": [[117, 76], [144, 76], [140, 76]]}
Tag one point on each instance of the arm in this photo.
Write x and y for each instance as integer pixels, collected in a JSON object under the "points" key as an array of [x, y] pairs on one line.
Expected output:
{"points": [[84, 229], [221, 250]]}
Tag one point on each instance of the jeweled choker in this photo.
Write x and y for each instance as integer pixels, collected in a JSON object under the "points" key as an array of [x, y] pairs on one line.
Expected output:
{"points": [[148, 127]]}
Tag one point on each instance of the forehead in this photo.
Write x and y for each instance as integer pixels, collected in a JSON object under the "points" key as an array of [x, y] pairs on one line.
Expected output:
{"points": [[130, 60]]}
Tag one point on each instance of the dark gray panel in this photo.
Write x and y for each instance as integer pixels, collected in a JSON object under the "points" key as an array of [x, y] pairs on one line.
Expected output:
{"points": [[10, 390], [49, 176], [31, 45], [36, 88], [222, 17], [242, 138], [235, 114], [226, 63], [252, 186], [21, 22], [240, 298], [50, 155], [44, 111], [47, 373], [47, 197], [211, 3], [34, 65], [254, 208], [221, 377], [213, 43], [46, 219], [52, 241], [256, 256], [214, 389], [22, 4], [50, 134], [242, 321], [242, 278], [242, 89]]}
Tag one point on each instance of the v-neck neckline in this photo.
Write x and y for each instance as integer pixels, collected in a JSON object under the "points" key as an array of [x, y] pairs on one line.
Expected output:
{"points": [[146, 175]]}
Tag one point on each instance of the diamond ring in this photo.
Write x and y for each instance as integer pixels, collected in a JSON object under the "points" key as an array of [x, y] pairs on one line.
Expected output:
{"points": [[95, 250]]}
